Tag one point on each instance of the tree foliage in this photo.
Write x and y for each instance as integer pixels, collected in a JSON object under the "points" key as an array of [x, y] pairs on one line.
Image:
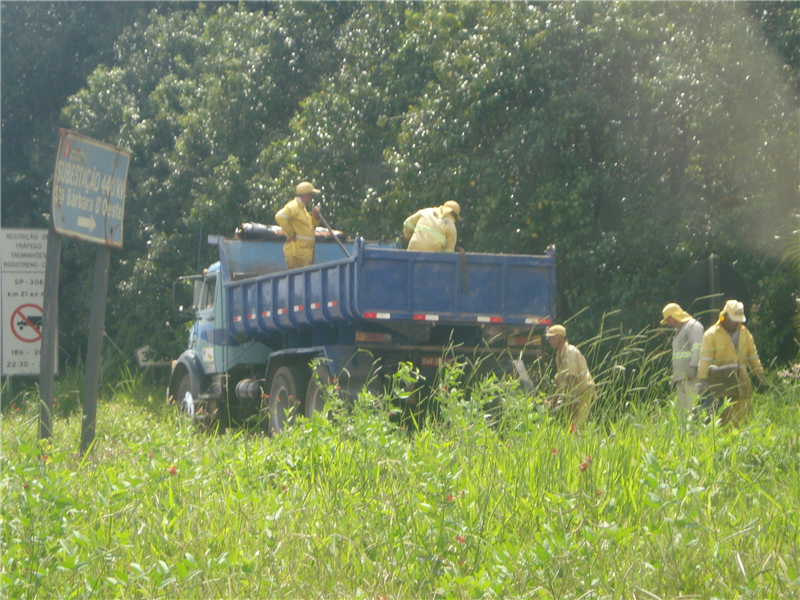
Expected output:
{"points": [[636, 137]]}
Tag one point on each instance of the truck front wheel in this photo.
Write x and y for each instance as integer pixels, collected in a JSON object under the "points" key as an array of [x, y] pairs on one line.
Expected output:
{"points": [[184, 398], [284, 401]]}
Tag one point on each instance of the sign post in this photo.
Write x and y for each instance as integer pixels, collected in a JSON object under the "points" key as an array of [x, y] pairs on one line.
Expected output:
{"points": [[88, 204], [49, 333]]}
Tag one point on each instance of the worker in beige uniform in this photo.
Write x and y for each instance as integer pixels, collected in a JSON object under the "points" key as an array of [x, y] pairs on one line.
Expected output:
{"points": [[685, 354], [299, 226], [433, 229], [575, 389], [727, 358]]}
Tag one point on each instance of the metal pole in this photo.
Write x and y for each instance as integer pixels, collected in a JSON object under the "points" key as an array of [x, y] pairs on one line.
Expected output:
{"points": [[714, 286], [47, 364], [94, 350]]}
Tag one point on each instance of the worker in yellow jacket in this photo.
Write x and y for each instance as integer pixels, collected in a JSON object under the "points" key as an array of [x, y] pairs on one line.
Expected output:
{"points": [[433, 229], [575, 389], [727, 357], [299, 226]]}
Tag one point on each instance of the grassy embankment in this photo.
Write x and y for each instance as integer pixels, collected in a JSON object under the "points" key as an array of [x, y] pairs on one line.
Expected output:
{"points": [[636, 505]]}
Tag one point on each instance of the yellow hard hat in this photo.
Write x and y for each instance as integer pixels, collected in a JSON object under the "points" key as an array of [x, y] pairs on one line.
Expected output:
{"points": [[453, 207]]}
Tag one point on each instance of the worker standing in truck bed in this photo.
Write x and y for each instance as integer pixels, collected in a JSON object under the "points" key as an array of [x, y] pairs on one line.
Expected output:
{"points": [[299, 226]]}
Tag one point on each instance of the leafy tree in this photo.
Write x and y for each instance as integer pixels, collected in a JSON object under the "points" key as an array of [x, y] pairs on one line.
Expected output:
{"points": [[345, 128], [196, 96], [48, 49], [637, 137]]}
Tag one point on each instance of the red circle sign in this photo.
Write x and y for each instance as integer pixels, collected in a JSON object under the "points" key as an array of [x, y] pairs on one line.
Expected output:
{"points": [[26, 323]]}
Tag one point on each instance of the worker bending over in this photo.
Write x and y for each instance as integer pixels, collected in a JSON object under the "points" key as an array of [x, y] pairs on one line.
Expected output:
{"points": [[299, 226], [575, 389], [433, 229], [685, 354], [727, 353]]}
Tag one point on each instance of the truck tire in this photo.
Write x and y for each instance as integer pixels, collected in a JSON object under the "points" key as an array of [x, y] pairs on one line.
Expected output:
{"points": [[315, 394], [284, 402], [186, 406]]}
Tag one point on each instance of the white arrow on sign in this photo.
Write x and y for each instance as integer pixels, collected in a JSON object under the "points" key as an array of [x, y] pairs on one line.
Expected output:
{"points": [[87, 222]]}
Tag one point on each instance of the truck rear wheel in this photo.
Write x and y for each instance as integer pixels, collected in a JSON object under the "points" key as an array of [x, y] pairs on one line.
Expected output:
{"points": [[284, 402], [316, 392]]}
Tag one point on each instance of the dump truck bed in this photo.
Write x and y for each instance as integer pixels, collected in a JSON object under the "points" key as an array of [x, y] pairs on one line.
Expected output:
{"points": [[381, 283]]}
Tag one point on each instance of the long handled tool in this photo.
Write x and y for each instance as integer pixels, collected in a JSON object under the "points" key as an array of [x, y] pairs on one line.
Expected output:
{"points": [[335, 237]]}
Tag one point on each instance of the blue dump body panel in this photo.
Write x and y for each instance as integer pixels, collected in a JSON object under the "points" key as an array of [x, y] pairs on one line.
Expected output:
{"points": [[382, 283]]}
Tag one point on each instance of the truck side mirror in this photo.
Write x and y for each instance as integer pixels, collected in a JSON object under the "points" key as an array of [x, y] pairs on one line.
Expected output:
{"points": [[185, 299]]}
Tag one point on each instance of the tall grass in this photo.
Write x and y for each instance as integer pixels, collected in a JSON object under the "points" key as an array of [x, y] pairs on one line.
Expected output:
{"points": [[638, 504]]}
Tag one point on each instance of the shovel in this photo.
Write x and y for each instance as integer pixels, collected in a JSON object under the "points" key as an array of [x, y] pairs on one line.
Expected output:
{"points": [[335, 237]]}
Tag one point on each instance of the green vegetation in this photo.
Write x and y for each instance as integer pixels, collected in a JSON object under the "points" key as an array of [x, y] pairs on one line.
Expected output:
{"points": [[638, 137], [638, 504]]}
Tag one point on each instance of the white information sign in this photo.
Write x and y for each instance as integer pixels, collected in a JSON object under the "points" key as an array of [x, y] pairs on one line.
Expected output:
{"points": [[23, 253]]}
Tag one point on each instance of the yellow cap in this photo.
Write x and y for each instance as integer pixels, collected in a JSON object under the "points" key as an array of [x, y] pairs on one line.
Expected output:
{"points": [[735, 311], [555, 330], [306, 188], [676, 312], [453, 207]]}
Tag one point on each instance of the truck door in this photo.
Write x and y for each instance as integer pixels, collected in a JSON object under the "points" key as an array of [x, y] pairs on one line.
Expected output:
{"points": [[206, 326]]}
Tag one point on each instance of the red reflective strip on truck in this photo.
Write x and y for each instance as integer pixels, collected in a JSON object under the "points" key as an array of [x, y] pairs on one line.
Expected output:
{"points": [[482, 319], [377, 315], [281, 311], [298, 308], [538, 321], [332, 303], [251, 316], [426, 317], [315, 306], [266, 313], [237, 319]]}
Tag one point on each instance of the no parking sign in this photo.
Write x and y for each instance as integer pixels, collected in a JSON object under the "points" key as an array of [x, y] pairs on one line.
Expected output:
{"points": [[22, 268]]}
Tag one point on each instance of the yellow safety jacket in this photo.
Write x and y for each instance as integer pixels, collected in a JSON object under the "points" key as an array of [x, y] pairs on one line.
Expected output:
{"points": [[724, 365], [430, 231], [296, 221], [572, 374]]}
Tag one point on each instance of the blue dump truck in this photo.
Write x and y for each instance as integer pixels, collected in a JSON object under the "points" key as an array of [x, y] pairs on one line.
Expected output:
{"points": [[358, 313]]}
